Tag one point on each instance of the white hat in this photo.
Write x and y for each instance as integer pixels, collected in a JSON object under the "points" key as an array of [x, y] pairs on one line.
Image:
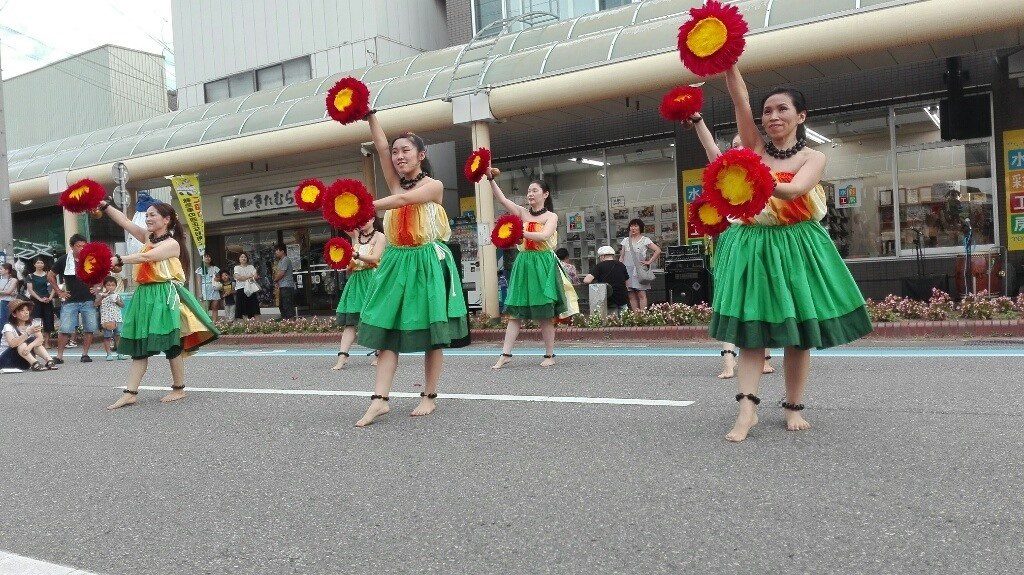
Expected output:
{"points": [[606, 251]]}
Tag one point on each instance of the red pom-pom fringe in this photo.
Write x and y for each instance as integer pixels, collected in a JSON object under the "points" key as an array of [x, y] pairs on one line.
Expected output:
{"points": [[93, 265], [355, 202], [354, 103], [757, 175], [681, 103], [306, 204], [482, 157], [513, 225], [693, 216], [722, 59], [82, 196], [337, 253]]}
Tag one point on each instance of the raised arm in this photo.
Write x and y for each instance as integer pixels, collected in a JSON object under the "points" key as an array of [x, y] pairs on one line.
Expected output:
{"points": [[805, 179], [749, 134], [380, 142], [164, 250], [432, 191], [120, 219], [707, 140], [510, 206], [550, 226]]}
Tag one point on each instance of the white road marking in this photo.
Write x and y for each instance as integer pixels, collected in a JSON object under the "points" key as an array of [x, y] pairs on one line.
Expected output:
{"points": [[470, 396], [11, 564]]}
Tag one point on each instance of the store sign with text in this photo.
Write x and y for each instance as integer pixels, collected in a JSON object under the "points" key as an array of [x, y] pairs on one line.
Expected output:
{"points": [[1013, 146], [255, 202]]}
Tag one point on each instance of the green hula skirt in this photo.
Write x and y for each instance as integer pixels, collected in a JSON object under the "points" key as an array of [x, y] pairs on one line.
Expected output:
{"points": [[353, 297], [167, 318], [535, 288], [784, 286], [416, 303]]}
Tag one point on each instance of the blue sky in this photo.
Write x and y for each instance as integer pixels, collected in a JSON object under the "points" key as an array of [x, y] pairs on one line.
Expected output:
{"points": [[34, 33]]}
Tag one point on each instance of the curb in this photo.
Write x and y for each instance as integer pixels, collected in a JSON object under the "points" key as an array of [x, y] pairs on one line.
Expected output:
{"points": [[904, 330]]}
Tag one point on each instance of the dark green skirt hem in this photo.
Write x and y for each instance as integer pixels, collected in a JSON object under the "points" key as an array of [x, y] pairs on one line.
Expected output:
{"points": [[348, 319], [807, 334], [546, 311], [168, 343], [453, 333]]}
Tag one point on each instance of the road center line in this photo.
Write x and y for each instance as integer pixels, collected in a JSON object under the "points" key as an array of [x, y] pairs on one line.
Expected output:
{"points": [[469, 396]]}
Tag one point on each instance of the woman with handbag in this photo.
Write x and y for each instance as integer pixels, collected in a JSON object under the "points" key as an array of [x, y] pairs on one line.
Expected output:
{"points": [[635, 254], [247, 304]]}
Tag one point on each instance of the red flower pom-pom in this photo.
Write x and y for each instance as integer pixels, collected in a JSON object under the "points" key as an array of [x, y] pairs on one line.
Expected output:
{"points": [[507, 232], [681, 103], [348, 100], [477, 165], [705, 217], [738, 183], [82, 196], [337, 253], [347, 205], [712, 39], [309, 196], [93, 265]]}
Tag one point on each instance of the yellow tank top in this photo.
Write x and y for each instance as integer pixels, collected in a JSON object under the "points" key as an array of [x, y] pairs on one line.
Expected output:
{"points": [[159, 272], [417, 225], [533, 245], [811, 206]]}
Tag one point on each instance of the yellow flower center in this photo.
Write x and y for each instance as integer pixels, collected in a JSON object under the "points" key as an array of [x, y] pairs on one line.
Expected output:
{"points": [[337, 253], [505, 231], [683, 98], [77, 193], [89, 264], [309, 194], [709, 215], [475, 165], [346, 205], [343, 99], [736, 188], [707, 37]]}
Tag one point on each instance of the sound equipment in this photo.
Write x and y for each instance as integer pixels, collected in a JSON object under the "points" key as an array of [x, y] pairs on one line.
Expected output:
{"points": [[687, 279]]}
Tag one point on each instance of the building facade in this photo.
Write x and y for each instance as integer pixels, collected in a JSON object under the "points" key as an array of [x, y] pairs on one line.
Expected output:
{"points": [[920, 122]]}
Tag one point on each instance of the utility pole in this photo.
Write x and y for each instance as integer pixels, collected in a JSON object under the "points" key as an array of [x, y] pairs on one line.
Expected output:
{"points": [[6, 224]]}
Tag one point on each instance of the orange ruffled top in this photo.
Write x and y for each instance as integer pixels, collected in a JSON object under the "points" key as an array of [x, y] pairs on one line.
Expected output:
{"points": [[534, 245], [417, 225], [168, 270], [778, 212]]}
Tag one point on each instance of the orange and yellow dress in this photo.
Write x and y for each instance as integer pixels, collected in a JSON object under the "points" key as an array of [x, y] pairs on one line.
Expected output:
{"points": [[163, 316], [416, 302], [780, 282]]}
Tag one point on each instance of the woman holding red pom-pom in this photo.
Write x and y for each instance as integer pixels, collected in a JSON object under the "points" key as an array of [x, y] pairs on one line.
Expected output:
{"points": [[163, 316], [537, 287], [367, 247], [417, 303], [779, 280]]}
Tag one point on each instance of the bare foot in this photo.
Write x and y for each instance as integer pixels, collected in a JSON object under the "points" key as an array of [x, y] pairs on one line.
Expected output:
{"points": [[374, 362], [728, 368], [746, 419], [426, 407], [767, 367], [340, 364], [548, 361], [125, 400], [378, 407], [795, 421], [503, 359], [174, 395]]}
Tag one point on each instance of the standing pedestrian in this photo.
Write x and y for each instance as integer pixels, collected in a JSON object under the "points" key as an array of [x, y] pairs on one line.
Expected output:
{"points": [[247, 303], [639, 253], [208, 292], [227, 293], [111, 303], [8, 289], [77, 307], [284, 280], [38, 289]]}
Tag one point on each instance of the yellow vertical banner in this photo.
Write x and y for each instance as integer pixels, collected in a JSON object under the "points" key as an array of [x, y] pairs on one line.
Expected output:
{"points": [[186, 188], [1013, 147], [693, 185]]}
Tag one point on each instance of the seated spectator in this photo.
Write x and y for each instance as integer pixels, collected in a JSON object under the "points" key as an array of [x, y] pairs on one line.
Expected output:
{"points": [[611, 271]]}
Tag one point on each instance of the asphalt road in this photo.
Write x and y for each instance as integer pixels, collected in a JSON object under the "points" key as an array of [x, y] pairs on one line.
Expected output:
{"points": [[913, 466]]}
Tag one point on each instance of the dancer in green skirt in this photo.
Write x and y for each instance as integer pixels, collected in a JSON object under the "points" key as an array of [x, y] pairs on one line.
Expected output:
{"points": [[163, 316], [368, 243], [416, 303], [779, 280], [537, 287]]}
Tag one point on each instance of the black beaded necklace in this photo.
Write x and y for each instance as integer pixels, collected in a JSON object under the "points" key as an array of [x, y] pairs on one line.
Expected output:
{"points": [[774, 152], [369, 238], [157, 239], [540, 212], [410, 184]]}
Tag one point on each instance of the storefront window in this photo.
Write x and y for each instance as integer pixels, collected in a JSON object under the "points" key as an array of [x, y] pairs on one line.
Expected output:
{"points": [[642, 184], [259, 246], [579, 195]]}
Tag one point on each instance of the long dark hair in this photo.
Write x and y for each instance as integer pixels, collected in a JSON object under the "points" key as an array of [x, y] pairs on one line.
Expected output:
{"points": [[548, 204], [421, 146], [167, 211], [799, 103]]}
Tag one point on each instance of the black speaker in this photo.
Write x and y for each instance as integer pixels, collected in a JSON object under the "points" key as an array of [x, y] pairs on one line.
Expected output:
{"points": [[690, 286], [965, 118]]}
